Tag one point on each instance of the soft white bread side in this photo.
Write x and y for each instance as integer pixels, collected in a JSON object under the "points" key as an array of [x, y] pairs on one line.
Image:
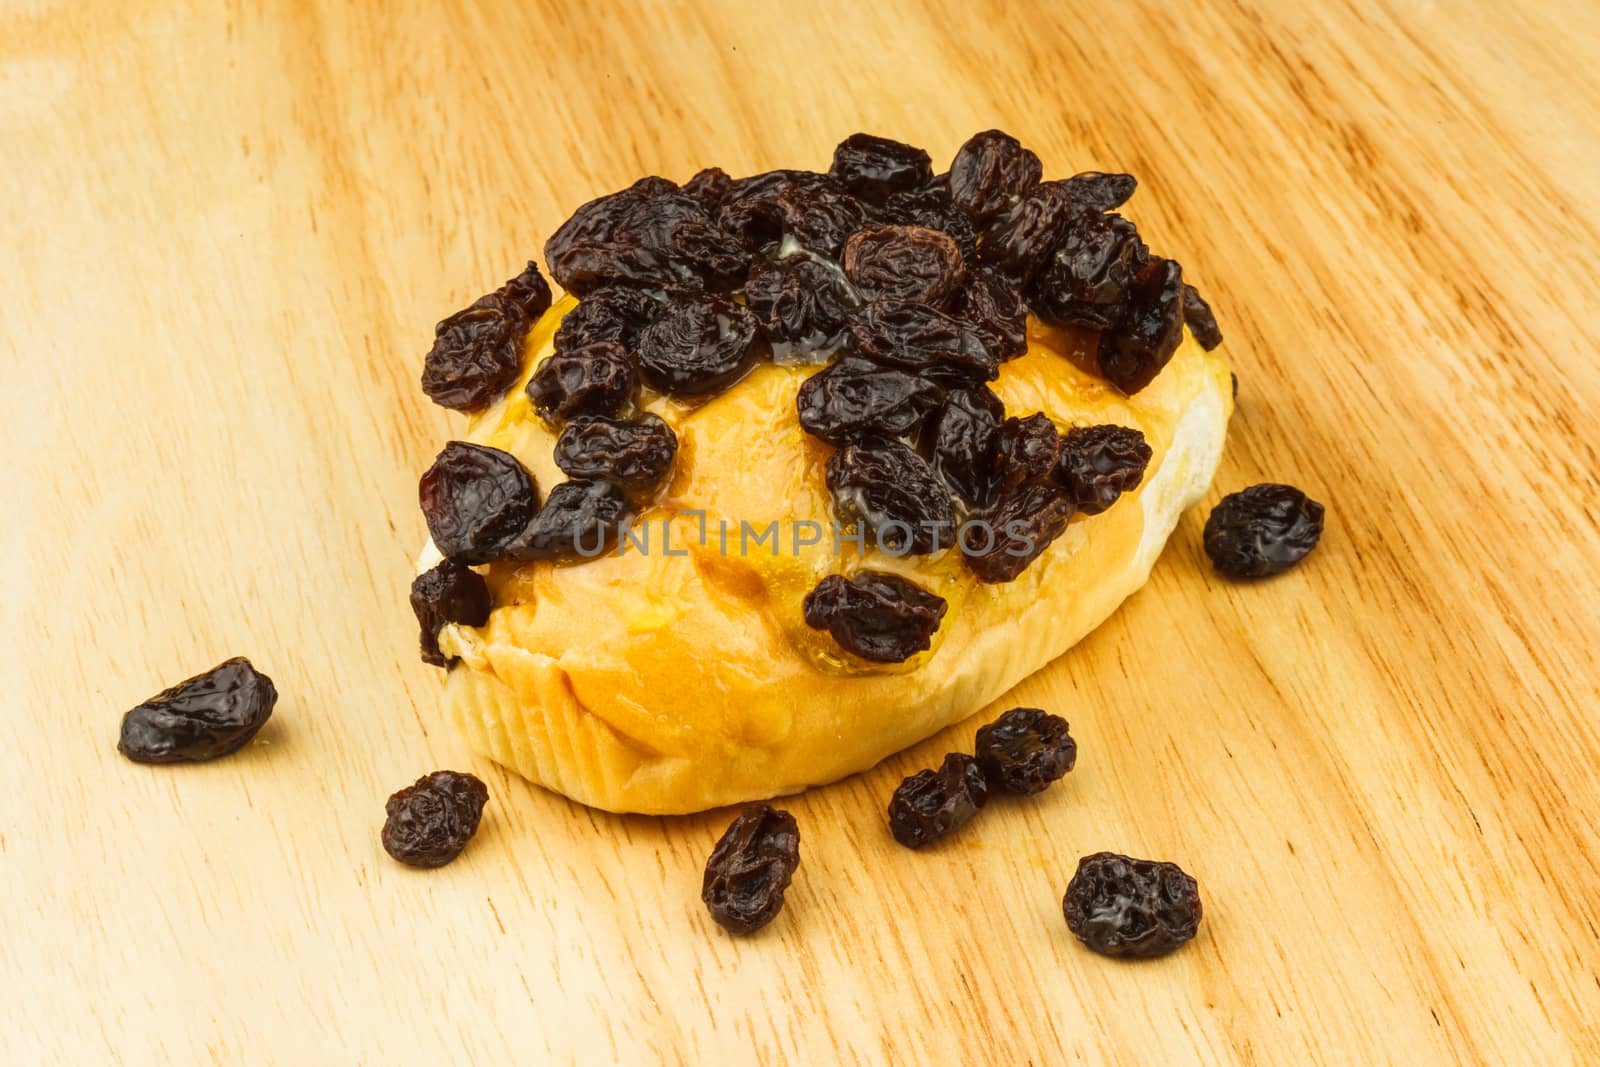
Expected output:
{"points": [[649, 682]]}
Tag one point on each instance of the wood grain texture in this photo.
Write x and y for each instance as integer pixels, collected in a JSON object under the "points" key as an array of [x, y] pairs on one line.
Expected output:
{"points": [[228, 229]]}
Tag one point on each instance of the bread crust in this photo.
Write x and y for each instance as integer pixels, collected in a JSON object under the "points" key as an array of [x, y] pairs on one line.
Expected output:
{"points": [[656, 683]]}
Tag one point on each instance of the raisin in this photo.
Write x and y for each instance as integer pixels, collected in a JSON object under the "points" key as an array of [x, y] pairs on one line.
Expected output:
{"points": [[930, 804], [930, 206], [476, 499], [597, 379], [878, 616], [872, 168], [894, 493], [710, 187], [580, 520], [476, 355], [904, 263], [1025, 452], [963, 438], [821, 217], [1133, 352], [750, 868], [635, 454], [528, 292], [856, 398], [990, 172], [1262, 531], [813, 209], [444, 594], [1024, 750], [993, 304], [800, 303], [1019, 529], [1093, 191], [1097, 464], [1201, 322], [924, 340], [612, 314], [1120, 906], [1021, 240], [431, 821], [201, 718], [1087, 282], [697, 347]]}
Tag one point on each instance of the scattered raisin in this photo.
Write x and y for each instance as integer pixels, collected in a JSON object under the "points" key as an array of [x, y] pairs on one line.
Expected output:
{"points": [[930, 206], [875, 615], [894, 493], [990, 172], [528, 292], [710, 187], [1201, 322], [750, 868], [856, 398], [1024, 750], [448, 593], [431, 821], [697, 347], [597, 379], [904, 263], [476, 499], [1020, 241], [922, 339], [1133, 352], [634, 453], [1025, 452], [813, 209], [1086, 283], [963, 437], [1018, 530], [201, 718], [1093, 191], [611, 314], [476, 355], [579, 520], [930, 804], [1120, 906], [1262, 531], [872, 168], [993, 304], [800, 303], [1097, 464]]}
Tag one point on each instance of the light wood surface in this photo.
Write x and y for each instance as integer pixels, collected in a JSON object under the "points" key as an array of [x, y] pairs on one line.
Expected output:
{"points": [[227, 231]]}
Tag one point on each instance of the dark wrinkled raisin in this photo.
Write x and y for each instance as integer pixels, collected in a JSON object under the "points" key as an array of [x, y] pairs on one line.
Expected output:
{"points": [[1093, 191], [612, 314], [476, 500], [904, 263], [710, 187], [635, 453], [874, 167], [1262, 531], [1201, 322], [1097, 464], [750, 868], [1025, 452], [1024, 750], [597, 379], [963, 437], [476, 355], [1017, 532], [800, 303], [875, 615], [1133, 351], [528, 292], [894, 493], [431, 821], [579, 520], [698, 346], [993, 304], [1021, 239], [207, 716], [1120, 906], [448, 593], [814, 209], [930, 805], [930, 206], [1086, 283], [990, 172], [922, 339], [856, 398]]}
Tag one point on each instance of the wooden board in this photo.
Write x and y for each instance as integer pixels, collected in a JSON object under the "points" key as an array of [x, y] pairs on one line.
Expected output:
{"points": [[228, 229]]}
